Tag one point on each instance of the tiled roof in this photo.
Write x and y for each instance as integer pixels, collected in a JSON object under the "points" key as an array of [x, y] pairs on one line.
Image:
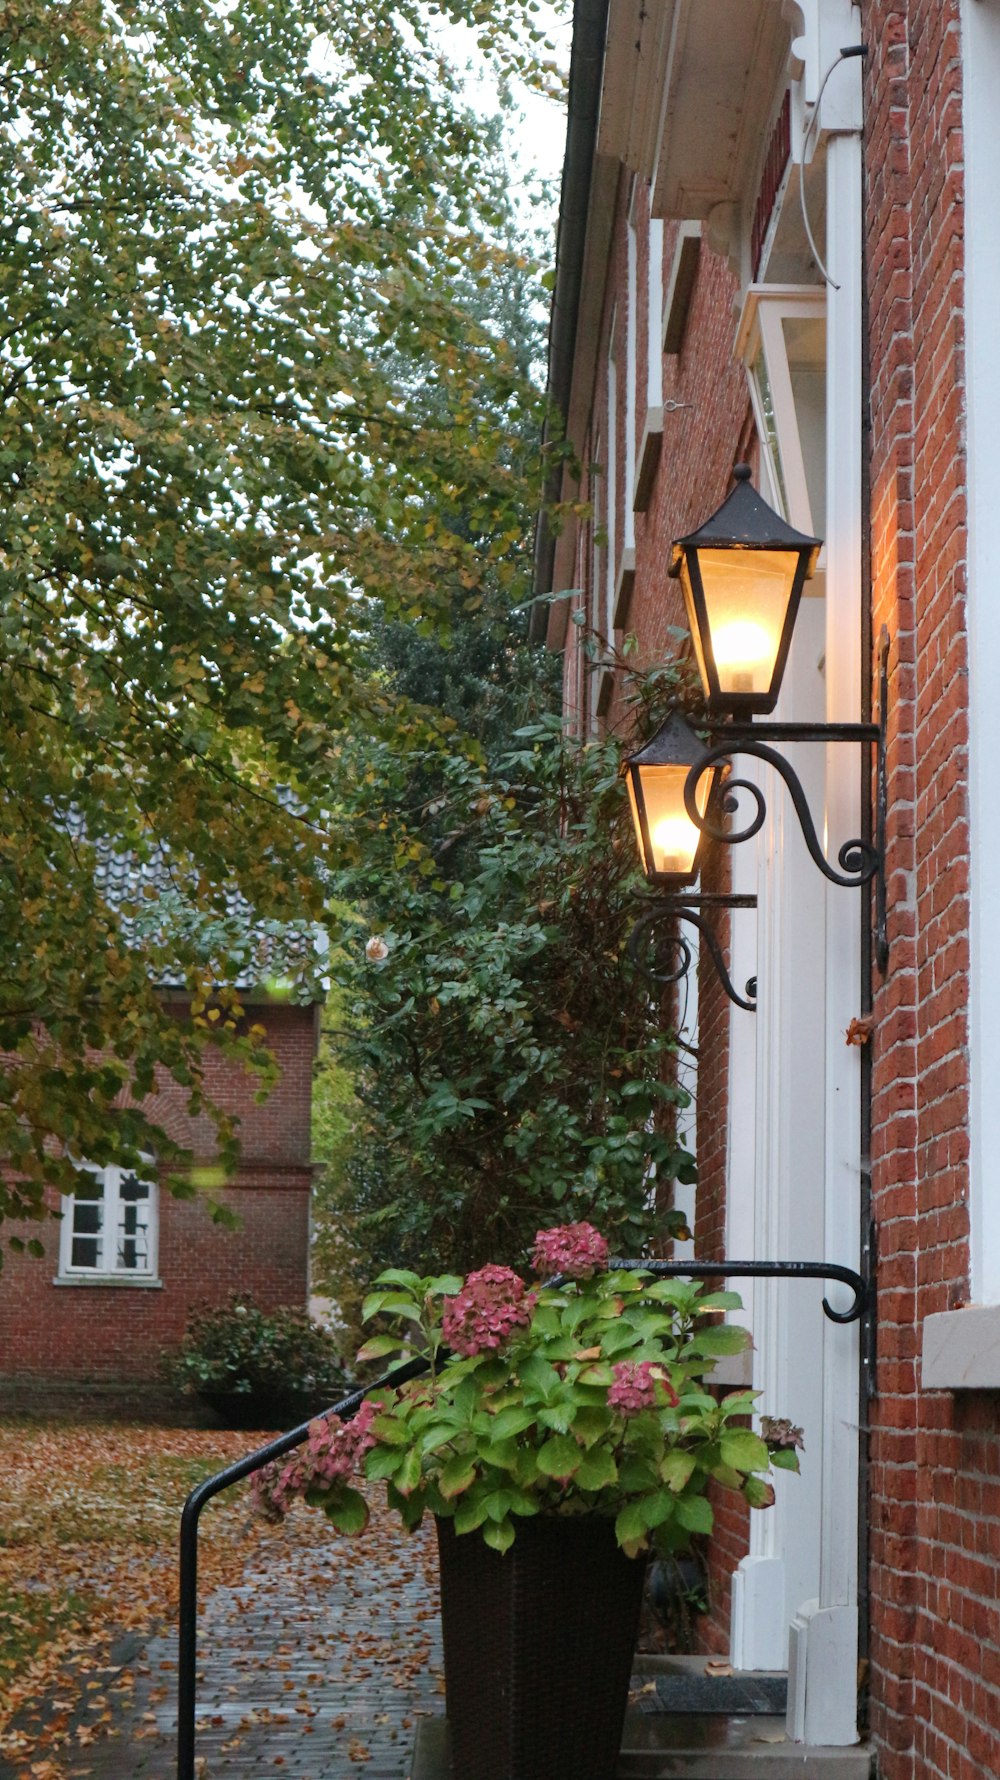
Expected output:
{"points": [[149, 897]]}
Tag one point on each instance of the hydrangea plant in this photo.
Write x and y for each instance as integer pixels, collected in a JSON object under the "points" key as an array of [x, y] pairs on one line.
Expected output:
{"points": [[581, 1394]]}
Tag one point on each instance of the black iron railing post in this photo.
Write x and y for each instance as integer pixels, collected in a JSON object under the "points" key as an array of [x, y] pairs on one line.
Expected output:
{"points": [[187, 1612]]}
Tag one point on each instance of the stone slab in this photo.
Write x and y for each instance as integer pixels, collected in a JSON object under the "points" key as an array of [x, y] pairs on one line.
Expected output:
{"points": [[961, 1349], [685, 1747]]}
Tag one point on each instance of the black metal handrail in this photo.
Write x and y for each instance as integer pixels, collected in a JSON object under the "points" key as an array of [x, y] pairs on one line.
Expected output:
{"points": [[203, 1493]]}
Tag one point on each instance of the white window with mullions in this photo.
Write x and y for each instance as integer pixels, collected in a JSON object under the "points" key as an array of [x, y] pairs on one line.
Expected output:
{"points": [[109, 1227]]}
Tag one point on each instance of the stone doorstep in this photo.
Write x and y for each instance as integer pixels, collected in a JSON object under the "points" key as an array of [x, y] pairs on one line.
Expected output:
{"points": [[669, 1746]]}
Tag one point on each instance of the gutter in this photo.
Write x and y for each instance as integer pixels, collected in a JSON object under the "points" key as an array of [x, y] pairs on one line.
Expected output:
{"points": [[586, 69]]}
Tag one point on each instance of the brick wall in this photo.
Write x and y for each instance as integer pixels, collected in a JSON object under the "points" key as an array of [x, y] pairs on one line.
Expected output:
{"points": [[112, 1332], [935, 1457]]}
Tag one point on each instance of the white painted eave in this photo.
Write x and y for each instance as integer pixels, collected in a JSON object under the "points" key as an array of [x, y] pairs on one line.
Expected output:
{"points": [[724, 64], [635, 64]]}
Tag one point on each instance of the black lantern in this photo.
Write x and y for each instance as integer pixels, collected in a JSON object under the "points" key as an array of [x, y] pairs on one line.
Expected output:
{"points": [[743, 572], [669, 842]]}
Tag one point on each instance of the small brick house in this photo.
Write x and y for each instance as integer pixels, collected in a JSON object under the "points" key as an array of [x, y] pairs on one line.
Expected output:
{"points": [[774, 253], [127, 1261]]}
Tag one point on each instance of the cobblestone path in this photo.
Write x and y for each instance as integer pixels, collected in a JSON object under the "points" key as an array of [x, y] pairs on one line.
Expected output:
{"points": [[317, 1666]]}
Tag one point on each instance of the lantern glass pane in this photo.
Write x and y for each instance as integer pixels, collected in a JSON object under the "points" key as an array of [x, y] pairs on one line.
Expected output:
{"points": [[747, 593], [673, 836]]}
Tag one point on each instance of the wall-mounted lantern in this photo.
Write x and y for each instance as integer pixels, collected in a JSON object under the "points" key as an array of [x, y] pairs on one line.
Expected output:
{"points": [[742, 574], [670, 843]]}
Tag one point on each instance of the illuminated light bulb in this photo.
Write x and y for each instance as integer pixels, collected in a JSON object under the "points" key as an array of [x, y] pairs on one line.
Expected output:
{"points": [[743, 648], [676, 839]]}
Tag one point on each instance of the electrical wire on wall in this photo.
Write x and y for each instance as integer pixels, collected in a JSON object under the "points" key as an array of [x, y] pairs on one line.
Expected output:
{"points": [[849, 54]]}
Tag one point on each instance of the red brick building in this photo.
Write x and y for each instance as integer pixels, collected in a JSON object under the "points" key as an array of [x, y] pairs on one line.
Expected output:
{"points": [[776, 253], [127, 1260]]}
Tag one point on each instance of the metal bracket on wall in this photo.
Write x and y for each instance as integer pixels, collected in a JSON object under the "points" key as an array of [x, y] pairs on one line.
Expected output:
{"points": [[859, 861], [662, 954], [869, 1347]]}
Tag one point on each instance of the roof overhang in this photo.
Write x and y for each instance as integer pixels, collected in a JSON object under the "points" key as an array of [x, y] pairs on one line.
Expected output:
{"points": [[681, 93]]}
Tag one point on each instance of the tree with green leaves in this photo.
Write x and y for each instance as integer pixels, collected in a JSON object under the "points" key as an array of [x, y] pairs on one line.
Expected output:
{"points": [[510, 1068], [224, 230]]}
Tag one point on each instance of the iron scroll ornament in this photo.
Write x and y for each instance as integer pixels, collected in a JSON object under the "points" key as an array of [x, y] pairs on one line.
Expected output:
{"points": [[657, 929], [859, 861]]}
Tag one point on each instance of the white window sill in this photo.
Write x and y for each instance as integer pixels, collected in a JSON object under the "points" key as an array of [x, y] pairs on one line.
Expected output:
{"points": [[144, 1281], [961, 1349]]}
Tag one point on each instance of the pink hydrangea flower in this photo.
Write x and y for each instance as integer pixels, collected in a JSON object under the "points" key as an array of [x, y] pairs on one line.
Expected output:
{"points": [[332, 1453], [633, 1387], [484, 1314], [574, 1249]]}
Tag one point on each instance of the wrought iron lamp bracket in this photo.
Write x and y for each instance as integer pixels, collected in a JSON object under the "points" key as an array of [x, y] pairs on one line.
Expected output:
{"points": [[663, 956], [860, 861]]}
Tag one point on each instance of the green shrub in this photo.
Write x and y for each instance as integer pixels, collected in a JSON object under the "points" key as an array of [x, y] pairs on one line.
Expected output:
{"points": [[257, 1367]]}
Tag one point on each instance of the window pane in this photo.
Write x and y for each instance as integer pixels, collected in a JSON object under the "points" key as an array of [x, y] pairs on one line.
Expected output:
{"points": [[88, 1226], [133, 1225], [86, 1251]]}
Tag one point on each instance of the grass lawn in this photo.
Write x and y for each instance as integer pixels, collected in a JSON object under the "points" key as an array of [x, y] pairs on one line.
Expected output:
{"points": [[89, 1519]]}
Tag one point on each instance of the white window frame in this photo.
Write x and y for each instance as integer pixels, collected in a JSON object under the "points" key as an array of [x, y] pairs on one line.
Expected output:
{"points": [[761, 330], [112, 1179]]}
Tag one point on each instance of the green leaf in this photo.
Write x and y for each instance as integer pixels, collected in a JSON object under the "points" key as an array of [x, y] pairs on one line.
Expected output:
{"points": [[501, 1453], [382, 1462], [630, 1526], [540, 1379], [596, 1470], [470, 1514], [598, 1374], [723, 1338], [409, 1474], [390, 1303], [758, 1492], [511, 1421], [390, 1431], [348, 1511], [661, 1506], [559, 1416], [785, 1459], [499, 1535], [378, 1347], [559, 1457], [694, 1513], [498, 1503], [456, 1477], [677, 1468], [743, 1450], [590, 1423]]}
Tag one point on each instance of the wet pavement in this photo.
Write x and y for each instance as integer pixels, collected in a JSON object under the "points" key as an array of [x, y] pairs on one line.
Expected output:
{"points": [[318, 1666]]}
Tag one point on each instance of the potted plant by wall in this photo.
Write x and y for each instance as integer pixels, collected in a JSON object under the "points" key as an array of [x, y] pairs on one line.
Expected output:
{"points": [[562, 1433]]}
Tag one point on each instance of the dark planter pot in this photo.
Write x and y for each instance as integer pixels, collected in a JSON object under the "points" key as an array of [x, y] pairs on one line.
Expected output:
{"points": [[538, 1648], [244, 1410]]}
